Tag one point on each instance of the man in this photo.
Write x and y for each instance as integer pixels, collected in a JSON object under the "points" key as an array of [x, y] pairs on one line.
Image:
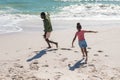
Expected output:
{"points": [[47, 29]]}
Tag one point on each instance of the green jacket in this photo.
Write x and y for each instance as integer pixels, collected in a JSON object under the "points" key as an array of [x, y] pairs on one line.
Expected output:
{"points": [[47, 24]]}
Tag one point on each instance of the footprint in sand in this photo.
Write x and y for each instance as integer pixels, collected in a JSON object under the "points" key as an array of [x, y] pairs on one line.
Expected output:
{"points": [[57, 77], [35, 78], [106, 56], [96, 55], [92, 68], [6, 53], [45, 65], [59, 73], [17, 50], [93, 60], [64, 59], [100, 51], [29, 48], [11, 70], [66, 49], [17, 59], [54, 52], [89, 48], [2, 79], [95, 77], [17, 77], [36, 52], [76, 51], [35, 62], [60, 54], [114, 78], [34, 66], [18, 65]]}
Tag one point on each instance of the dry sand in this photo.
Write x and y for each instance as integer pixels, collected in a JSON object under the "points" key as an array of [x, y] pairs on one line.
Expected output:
{"points": [[23, 55]]}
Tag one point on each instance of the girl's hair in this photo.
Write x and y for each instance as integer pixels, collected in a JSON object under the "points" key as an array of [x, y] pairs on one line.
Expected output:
{"points": [[79, 26]]}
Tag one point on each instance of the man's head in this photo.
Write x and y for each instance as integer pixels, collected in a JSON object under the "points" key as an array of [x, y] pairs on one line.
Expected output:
{"points": [[43, 16]]}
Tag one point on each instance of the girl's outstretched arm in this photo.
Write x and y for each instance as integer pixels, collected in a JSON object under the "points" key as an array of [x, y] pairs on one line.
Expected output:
{"points": [[91, 31], [74, 40]]}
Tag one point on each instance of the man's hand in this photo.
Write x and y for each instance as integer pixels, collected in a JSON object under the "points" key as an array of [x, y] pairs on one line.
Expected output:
{"points": [[48, 14]]}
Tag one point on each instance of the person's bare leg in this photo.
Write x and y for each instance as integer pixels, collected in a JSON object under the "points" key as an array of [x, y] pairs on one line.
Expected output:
{"points": [[47, 35], [54, 43], [83, 52], [47, 40]]}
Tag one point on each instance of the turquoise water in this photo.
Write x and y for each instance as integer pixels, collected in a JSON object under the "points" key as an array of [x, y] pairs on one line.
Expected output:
{"points": [[14, 11], [31, 6], [37, 6]]}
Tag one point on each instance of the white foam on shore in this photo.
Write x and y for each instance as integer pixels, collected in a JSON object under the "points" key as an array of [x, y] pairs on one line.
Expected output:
{"points": [[9, 22], [90, 11]]}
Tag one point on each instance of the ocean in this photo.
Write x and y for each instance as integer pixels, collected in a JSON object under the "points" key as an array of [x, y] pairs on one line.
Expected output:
{"points": [[14, 11]]}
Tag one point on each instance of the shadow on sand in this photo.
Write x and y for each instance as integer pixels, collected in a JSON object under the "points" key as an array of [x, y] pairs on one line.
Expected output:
{"points": [[68, 49], [76, 65], [39, 54]]}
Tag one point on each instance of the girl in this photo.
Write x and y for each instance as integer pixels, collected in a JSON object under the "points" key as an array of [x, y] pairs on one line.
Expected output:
{"points": [[81, 40]]}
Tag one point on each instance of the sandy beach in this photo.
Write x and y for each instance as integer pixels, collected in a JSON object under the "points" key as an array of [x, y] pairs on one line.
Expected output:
{"points": [[23, 55]]}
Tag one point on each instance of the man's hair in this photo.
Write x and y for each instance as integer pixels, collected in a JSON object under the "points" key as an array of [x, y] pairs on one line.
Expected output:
{"points": [[43, 13]]}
